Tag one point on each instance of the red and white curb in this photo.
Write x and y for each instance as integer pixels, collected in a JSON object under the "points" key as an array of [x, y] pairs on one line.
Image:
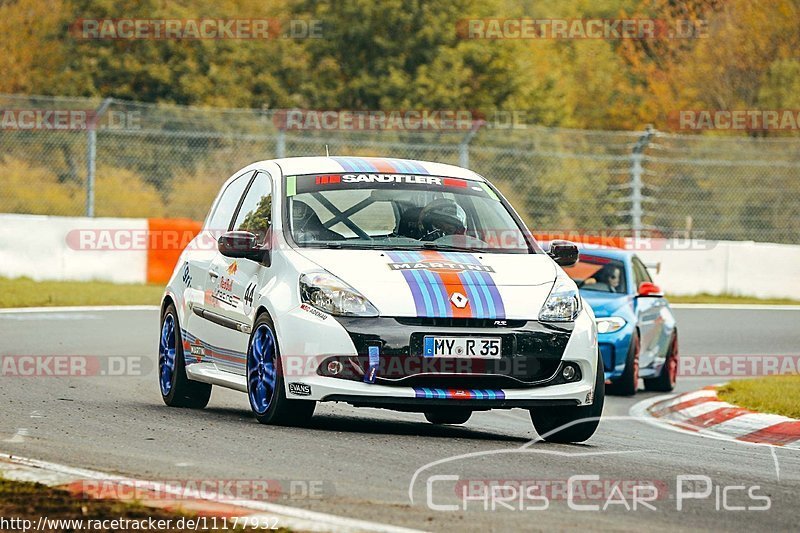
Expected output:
{"points": [[76, 481], [701, 412]]}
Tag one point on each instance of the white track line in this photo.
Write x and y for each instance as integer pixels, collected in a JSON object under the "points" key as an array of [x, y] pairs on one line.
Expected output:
{"points": [[292, 517]]}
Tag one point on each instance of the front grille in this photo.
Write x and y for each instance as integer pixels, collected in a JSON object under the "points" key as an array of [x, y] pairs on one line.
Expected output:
{"points": [[449, 322], [531, 352], [473, 381], [442, 372]]}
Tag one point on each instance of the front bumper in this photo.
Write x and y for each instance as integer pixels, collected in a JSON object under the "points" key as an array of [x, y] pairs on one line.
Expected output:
{"points": [[614, 350], [538, 350], [531, 353]]}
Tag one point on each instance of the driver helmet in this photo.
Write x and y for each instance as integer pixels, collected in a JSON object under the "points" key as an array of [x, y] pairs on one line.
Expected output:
{"points": [[442, 217]]}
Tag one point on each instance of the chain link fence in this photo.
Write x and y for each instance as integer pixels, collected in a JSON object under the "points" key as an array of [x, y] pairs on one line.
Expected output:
{"points": [[79, 156]]}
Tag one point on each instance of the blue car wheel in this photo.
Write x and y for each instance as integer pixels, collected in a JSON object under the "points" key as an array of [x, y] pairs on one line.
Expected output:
{"points": [[628, 383], [177, 390], [166, 354], [266, 386], [261, 369]]}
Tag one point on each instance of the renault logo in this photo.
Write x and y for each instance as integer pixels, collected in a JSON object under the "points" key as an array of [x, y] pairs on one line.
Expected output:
{"points": [[459, 300]]}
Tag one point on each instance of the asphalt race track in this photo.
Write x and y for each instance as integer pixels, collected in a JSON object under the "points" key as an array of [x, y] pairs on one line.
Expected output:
{"points": [[366, 458]]}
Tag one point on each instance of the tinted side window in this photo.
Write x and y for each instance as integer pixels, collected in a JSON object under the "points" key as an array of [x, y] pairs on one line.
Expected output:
{"points": [[255, 215], [220, 219]]}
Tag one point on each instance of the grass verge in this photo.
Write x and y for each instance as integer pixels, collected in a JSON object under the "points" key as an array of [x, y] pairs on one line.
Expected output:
{"points": [[24, 501], [24, 292], [773, 394], [729, 299], [24, 504]]}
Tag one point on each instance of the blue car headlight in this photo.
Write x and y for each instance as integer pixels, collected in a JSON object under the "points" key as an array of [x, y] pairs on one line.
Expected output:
{"points": [[610, 324]]}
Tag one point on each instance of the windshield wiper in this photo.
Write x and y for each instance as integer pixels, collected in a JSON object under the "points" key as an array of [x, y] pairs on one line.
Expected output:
{"points": [[447, 248], [338, 245]]}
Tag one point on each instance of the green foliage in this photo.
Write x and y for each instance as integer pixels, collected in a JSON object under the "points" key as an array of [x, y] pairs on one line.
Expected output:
{"points": [[408, 54], [401, 54], [35, 189]]}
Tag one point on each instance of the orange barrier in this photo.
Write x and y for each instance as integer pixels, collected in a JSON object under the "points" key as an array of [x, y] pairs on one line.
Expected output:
{"points": [[166, 239]]}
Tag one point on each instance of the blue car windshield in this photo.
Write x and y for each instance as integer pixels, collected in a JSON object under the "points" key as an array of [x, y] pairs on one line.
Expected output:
{"points": [[599, 274]]}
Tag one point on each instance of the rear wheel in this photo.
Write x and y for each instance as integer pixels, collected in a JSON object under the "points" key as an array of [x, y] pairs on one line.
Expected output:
{"points": [[572, 424], [665, 382], [177, 390], [448, 417], [628, 383], [265, 380]]}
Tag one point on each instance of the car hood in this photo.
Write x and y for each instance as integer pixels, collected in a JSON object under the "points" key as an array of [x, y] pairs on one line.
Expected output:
{"points": [[443, 284], [605, 303]]}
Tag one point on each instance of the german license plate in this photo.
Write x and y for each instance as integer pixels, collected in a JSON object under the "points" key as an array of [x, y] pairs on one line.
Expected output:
{"points": [[479, 347]]}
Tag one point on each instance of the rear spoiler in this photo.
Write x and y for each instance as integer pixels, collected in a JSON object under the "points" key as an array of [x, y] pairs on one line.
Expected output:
{"points": [[654, 266]]}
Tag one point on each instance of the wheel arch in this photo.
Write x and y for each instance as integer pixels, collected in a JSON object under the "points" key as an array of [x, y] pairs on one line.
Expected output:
{"points": [[168, 299]]}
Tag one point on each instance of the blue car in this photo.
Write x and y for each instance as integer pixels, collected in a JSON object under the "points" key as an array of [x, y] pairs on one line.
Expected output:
{"points": [[636, 329]]}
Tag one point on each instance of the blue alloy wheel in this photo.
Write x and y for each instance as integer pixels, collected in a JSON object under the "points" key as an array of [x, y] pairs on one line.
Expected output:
{"points": [[166, 354], [261, 375]]}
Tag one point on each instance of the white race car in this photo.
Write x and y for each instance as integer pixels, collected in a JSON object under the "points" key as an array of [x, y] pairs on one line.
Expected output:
{"points": [[378, 282]]}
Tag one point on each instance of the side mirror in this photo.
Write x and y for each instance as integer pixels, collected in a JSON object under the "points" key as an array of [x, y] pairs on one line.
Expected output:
{"points": [[241, 244], [564, 253], [649, 289]]}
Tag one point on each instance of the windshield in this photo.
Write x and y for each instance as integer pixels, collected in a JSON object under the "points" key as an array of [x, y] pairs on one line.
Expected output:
{"points": [[600, 274], [399, 211]]}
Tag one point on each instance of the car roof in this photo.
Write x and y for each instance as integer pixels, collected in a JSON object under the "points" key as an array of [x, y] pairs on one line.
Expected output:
{"points": [[604, 251], [291, 166]]}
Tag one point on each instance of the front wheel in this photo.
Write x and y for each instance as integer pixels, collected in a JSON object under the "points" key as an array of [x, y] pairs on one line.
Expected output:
{"points": [[177, 390], [265, 380], [666, 380], [628, 383], [572, 424], [448, 417]]}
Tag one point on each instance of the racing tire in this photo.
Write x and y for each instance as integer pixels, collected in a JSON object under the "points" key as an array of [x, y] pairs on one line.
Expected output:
{"points": [[448, 417], [628, 383], [548, 420], [177, 390], [266, 388], [665, 381]]}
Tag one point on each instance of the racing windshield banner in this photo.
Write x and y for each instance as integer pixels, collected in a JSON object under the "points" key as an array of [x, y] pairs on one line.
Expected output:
{"points": [[449, 284], [315, 183]]}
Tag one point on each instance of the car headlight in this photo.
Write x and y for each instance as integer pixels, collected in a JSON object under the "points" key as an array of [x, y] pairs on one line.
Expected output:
{"points": [[328, 293], [563, 304], [610, 324]]}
